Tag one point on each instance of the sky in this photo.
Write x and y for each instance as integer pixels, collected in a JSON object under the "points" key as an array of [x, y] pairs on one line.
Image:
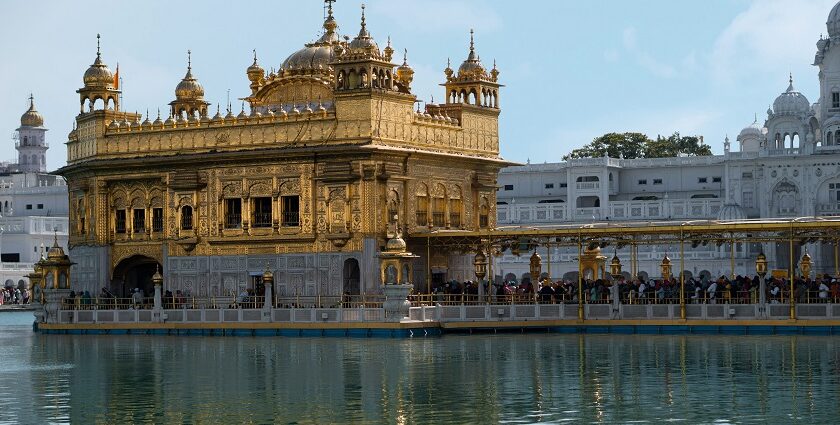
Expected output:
{"points": [[572, 70]]}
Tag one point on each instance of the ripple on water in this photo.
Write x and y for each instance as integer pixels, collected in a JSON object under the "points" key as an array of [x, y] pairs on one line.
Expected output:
{"points": [[455, 379]]}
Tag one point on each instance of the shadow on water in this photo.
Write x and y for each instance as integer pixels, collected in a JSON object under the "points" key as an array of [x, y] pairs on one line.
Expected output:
{"points": [[461, 379]]}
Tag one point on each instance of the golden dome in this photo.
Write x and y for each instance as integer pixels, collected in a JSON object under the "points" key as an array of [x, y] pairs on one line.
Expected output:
{"points": [[395, 244], [56, 253], [255, 71], [472, 68], [98, 75], [363, 41], [315, 57], [31, 118], [189, 88], [404, 72]]}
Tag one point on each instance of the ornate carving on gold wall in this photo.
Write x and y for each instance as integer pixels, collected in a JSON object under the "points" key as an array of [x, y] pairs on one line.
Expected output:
{"points": [[120, 252]]}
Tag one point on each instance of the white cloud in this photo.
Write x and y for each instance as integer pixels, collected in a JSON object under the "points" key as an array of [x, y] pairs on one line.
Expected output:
{"points": [[611, 55], [769, 35]]}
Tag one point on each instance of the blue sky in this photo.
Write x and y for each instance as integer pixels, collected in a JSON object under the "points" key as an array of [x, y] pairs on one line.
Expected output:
{"points": [[573, 70]]}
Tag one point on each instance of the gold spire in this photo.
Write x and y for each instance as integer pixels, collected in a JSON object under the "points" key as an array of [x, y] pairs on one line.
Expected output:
{"points": [[389, 51], [31, 118], [98, 75]]}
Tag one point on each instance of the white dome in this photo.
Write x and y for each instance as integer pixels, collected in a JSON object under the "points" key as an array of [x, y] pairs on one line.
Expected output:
{"points": [[791, 102], [732, 212], [833, 22], [753, 130]]}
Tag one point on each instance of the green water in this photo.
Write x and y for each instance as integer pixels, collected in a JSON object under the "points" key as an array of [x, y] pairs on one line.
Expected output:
{"points": [[451, 379]]}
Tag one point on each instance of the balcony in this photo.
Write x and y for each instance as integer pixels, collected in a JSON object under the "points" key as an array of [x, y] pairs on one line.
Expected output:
{"points": [[530, 213], [615, 211], [830, 209], [783, 152], [588, 185]]}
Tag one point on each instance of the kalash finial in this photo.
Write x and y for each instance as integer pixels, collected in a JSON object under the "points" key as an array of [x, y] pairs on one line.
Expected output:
{"points": [[363, 16], [189, 60], [472, 40], [97, 44], [405, 57], [255, 56]]}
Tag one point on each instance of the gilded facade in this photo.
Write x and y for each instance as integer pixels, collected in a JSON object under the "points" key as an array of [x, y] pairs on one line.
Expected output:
{"points": [[330, 152]]}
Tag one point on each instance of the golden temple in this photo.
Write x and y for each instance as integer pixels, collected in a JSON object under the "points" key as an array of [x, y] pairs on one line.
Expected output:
{"points": [[305, 181]]}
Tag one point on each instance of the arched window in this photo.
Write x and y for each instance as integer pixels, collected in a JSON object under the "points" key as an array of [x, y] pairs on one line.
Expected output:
{"points": [[439, 206], [422, 205], [829, 139], [393, 207], [484, 213], [81, 214], [455, 208], [186, 217]]}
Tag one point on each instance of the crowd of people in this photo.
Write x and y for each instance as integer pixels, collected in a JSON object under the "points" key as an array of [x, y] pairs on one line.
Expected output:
{"points": [[740, 290], [14, 296]]}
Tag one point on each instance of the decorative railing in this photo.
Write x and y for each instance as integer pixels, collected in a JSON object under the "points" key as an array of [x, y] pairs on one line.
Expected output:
{"points": [[616, 210]]}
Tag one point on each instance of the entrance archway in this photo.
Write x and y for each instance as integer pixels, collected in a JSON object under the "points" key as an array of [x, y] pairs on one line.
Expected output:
{"points": [[134, 272], [351, 277]]}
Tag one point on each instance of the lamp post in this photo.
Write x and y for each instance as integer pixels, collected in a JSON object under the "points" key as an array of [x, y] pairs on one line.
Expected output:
{"points": [[480, 264], [157, 281], [268, 285], [615, 266], [761, 271], [666, 267], [805, 265], [615, 272]]}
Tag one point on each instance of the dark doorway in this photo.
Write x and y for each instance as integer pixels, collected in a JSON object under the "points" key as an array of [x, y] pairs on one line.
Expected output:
{"points": [[438, 279], [351, 277], [134, 272]]}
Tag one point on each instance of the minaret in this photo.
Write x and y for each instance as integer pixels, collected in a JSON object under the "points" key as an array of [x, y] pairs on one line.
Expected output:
{"points": [[31, 143]]}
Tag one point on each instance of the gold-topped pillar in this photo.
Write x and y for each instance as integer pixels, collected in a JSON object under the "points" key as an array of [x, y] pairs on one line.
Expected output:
{"points": [[791, 277], [761, 271], [682, 275], [580, 278], [536, 270]]}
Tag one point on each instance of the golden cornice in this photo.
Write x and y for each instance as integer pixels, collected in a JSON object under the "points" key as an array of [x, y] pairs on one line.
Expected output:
{"points": [[226, 123]]}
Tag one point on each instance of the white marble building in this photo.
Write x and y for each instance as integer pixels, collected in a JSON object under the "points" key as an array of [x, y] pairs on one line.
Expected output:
{"points": [[789, 167], [33, 204]]}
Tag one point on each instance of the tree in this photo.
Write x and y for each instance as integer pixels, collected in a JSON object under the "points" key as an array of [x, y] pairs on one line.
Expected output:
{"points": [[676, 145], [614, 145], [638, 145]]}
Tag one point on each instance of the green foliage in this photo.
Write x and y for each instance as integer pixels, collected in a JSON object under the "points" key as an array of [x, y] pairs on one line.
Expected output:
{"points": [[638, 145]]}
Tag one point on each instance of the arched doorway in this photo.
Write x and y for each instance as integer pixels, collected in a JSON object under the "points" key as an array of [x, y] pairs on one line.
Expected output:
{"points": [[351, 277], [134, 272]]}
